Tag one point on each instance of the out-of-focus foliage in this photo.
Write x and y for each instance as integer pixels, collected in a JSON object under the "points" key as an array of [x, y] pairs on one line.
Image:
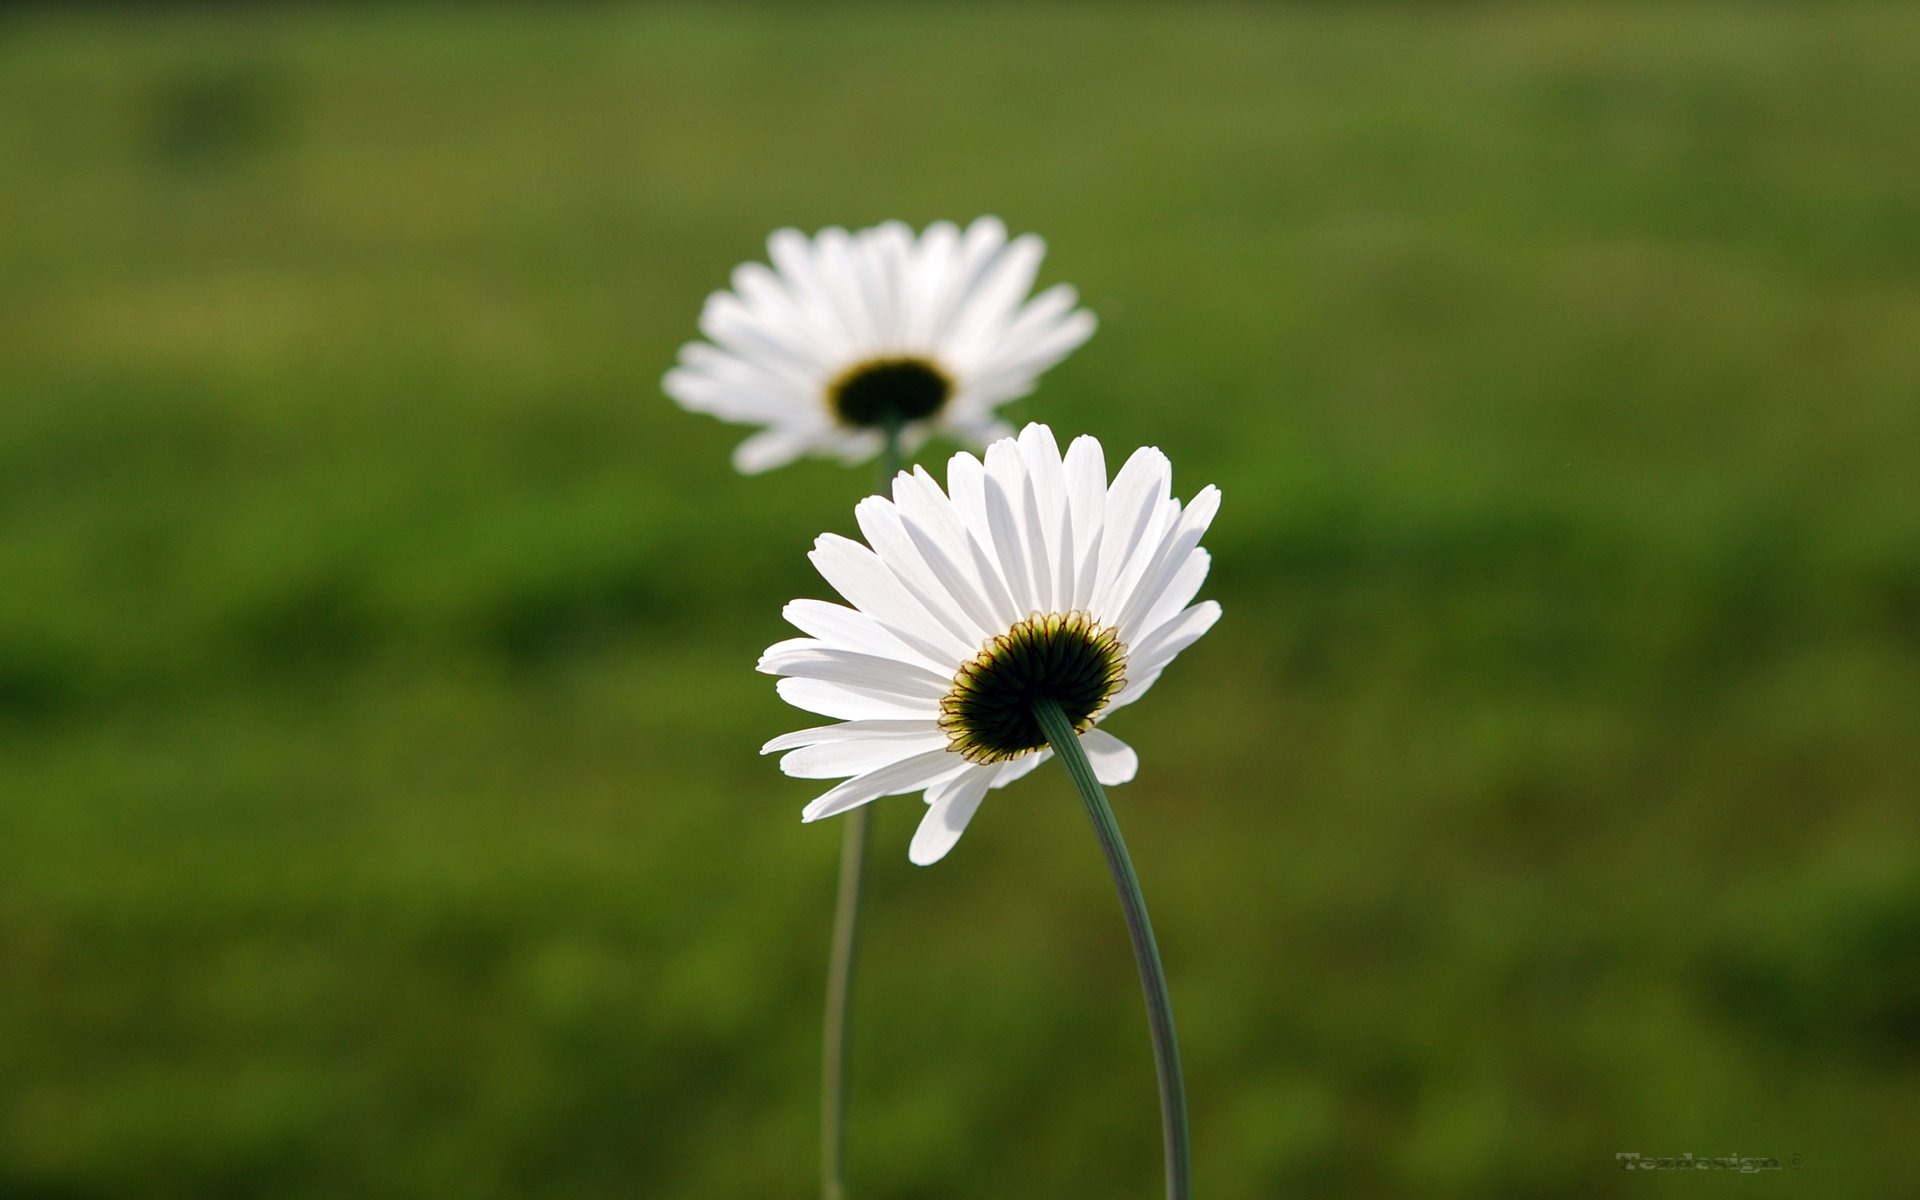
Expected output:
{"points": [[379, 813]]}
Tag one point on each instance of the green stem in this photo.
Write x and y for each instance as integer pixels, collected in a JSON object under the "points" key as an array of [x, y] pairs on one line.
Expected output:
{"points": [[833, 1066], [835, 1044], [1153, 977]]}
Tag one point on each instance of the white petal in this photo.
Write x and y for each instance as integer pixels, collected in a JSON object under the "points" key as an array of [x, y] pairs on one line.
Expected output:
{"points": [[967, 484], [951, 806], [788, 646], [1052, 525], [850, 629], [1176, 544], [1039, 316], [1021, 767], [766, 450], [1085, 469], [979, 247], [1158, 648], [1180, 590], [804, 658], [1005, 499], [886, 532], [712, 381], [836, 760], [1113, 760], [934, 260], [839, 278], [855, 447], [728, 322], [907, 775], [978, 431], [883, 262], [844, 702], [991, 303], [774, 302], [794, 257], [1122, 588], [1136, 686], [948, 550], [1018, 362], [847, 731], [1134, 503], [747, 371], [857, 573]]}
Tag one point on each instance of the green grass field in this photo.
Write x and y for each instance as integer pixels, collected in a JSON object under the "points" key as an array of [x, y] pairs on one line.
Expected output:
{"points": [[379, 811]]}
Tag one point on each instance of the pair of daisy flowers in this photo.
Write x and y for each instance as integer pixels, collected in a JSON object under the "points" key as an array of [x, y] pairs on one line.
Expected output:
{"points": [[1031, 576]]}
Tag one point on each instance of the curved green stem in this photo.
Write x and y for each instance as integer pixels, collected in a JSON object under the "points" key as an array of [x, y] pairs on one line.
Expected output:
{"points": [[835, 1045], [1153, 977]]}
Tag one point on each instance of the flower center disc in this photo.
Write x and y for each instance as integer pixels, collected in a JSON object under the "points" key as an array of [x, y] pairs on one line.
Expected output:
{"points": [[1065, 657], [889, 391]]}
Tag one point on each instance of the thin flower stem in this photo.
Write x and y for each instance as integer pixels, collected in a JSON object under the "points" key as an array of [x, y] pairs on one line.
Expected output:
{"points": [[833, 1066], [1153, 977], [835, 1044]]}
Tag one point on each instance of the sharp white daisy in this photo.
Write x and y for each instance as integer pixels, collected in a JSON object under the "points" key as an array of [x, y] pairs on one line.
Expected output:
{"points": [[1029, 578], [850, 334]]}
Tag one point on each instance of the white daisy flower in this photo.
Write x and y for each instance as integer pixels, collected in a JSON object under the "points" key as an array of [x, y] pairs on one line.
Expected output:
{"points": [[1033, 578], [852, 332]]}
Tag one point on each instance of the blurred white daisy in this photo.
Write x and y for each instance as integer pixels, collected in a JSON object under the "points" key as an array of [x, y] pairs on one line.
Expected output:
{"points": [[1032, 578], [851, 332]]}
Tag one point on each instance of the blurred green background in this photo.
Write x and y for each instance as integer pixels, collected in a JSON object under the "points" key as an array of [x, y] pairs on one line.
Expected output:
{"points": [[379, 811]]}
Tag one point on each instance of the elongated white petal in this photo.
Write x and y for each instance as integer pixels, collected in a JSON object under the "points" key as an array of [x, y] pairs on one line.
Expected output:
{"points": [[1137, 685], [724, 388], [1134, 502], [945, 600], [979, 247], [988, 310], [1049, 525], [749, 375], [836, 760], [1114, 762], [1036, 319], [1180, 590], [1176, 544], [908, 775], [867, 671], [857, 573], [850, 629], [729, 323], [766, 450], [772, 300], [797, 645], [849, 731], [950, 806], [1020, 768], [1158, 647], [929, 280], [1085, 469], [944, 545], [1133, 572], [1005, 501], [1031, 357], [967, 485], [845, 702], [794, 255], [1019, 362]]}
